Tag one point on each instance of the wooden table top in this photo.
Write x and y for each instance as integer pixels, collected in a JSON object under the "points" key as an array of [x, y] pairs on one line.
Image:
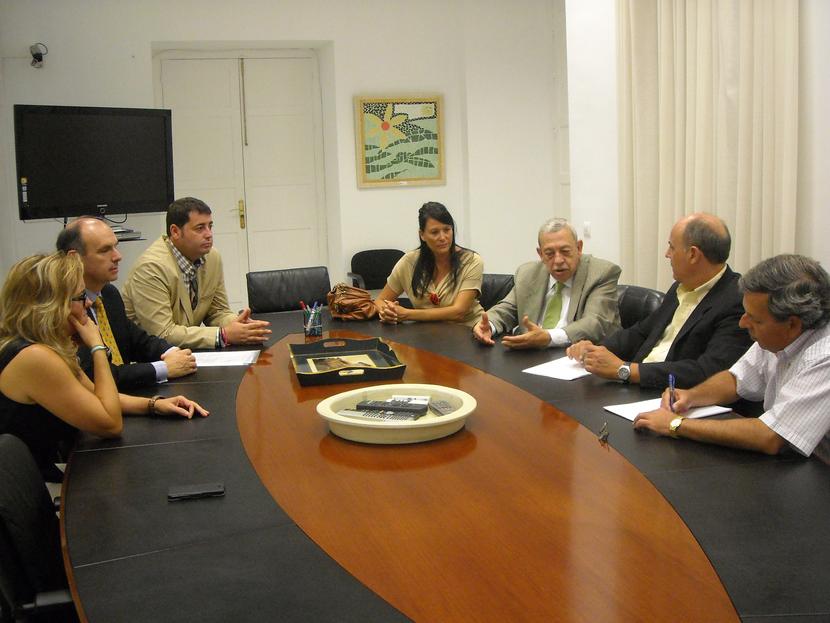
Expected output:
{"points": [[522, 515]]}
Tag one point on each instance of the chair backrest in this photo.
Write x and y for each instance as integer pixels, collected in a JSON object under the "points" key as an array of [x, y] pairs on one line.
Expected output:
{"points": [[282, 290], [636, 303], [30, 556], [373, 266], [494, 287]]}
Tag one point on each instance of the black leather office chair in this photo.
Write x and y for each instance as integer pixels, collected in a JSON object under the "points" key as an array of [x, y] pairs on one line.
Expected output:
{"points": [[494, 287], [282, 290], [636, 303], [32, 579], [371, 268]]}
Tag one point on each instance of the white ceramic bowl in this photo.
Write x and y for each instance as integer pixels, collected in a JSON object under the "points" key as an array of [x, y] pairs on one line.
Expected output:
{"points": [[425, 428]]}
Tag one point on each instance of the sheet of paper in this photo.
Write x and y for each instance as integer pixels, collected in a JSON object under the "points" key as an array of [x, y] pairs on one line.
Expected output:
{"points": [[632, 409], [226, 358], [564, 369]]}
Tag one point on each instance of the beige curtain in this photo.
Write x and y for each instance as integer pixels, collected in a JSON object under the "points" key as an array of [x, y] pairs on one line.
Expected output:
{"points": [[708, 105]]}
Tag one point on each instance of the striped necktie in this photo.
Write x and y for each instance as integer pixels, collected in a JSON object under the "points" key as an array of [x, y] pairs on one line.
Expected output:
{"points": [[106, 331], [193, 286], [554, 309]]}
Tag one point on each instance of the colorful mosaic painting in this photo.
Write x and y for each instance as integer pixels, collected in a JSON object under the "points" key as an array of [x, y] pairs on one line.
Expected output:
{"points": [[399, 141]]}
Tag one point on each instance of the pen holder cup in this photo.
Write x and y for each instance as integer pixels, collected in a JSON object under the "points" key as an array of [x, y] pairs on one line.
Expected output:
{"points": [[313, 328]]}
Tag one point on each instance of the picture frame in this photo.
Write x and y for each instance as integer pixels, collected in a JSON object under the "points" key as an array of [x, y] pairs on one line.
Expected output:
{"points": [[399, 140]]}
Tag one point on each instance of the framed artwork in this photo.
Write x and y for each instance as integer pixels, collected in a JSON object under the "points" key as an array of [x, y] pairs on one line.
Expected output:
{"points": [[399, 141]]}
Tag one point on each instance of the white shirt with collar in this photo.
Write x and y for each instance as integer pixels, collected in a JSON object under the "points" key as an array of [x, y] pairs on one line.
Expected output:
{"points": [[795, 386]]}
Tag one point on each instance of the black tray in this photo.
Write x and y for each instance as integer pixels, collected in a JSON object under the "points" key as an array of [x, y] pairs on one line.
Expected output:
{"points": [[339, 360]]}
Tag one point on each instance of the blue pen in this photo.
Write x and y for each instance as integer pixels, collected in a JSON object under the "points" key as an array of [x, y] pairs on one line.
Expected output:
{"points": [[671, 392]]}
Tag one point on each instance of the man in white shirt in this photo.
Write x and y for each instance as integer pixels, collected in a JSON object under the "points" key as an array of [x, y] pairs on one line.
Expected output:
{"points": [[787, 310], [563, 298]]}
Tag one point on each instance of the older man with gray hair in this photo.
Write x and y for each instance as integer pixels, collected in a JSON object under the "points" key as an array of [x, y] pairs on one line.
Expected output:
{"points": [[563, 298], [787, 313]]}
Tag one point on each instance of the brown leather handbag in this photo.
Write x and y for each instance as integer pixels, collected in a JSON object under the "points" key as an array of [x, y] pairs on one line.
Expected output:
{"points": [[350, 303]]}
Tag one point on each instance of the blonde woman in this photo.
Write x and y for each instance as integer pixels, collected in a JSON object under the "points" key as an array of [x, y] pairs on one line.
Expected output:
{"points": [[44, 396]]}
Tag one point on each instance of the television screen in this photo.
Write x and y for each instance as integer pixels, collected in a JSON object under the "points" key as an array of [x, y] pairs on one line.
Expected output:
{"points": [[74, 160]]}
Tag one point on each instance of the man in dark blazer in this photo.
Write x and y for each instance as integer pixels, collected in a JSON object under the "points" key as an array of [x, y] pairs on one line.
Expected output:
{"points": [[145, 359], [695, 332], [585, 285]]}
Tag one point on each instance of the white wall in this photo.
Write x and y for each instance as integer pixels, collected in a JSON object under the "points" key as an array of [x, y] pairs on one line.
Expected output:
{"points": [[509, 102], [488, 60], [592, 109], [92, 60]]}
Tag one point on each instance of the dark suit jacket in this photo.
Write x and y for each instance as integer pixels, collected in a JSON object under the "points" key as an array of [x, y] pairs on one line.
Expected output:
{"points": [[709, 341], [133, 342]]}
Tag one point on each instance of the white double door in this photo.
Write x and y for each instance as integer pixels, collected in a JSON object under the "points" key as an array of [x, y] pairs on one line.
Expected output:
{"points": [[247, 140]]}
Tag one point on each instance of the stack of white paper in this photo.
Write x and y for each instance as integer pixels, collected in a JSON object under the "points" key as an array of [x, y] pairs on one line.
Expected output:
{"points": [[226, 358], [632, 409], [564, 369]]}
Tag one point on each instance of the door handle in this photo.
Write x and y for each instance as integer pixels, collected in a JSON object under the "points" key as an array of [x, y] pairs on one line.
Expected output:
{"points": [[241, 207]]}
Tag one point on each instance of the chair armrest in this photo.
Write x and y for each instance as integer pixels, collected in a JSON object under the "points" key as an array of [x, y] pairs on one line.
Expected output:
{"points": [[50, 601]]}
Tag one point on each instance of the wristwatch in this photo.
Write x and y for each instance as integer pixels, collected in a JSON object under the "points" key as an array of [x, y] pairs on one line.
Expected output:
{"points": [[674, 426], [624, 372]]}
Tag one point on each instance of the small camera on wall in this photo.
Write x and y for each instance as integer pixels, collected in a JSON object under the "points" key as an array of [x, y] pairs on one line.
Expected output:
{"points": [[38, 51]]}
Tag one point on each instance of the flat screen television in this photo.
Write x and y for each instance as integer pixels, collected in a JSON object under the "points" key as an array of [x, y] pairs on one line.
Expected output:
{"points": [[74, 160]]}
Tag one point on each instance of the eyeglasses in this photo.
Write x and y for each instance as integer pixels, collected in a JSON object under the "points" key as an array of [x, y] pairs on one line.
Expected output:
{"points": [[81, 298]]}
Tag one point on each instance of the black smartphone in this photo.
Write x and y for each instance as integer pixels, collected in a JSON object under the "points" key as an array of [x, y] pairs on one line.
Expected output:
{"points": [[192, 492]]}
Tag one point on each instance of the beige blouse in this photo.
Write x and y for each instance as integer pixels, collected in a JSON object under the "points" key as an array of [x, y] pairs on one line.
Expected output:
{"points": [[469, 278]]}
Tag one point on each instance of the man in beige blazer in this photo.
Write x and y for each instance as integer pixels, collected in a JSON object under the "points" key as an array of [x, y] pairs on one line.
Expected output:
{"points": [[176, 289], [530, 315]]}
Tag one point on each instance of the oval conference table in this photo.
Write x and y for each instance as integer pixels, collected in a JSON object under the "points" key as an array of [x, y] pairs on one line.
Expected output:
{"points": [[523, 515]]}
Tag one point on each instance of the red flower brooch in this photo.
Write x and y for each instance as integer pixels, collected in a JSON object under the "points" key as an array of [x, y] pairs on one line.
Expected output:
{"points": [[433, 298]]}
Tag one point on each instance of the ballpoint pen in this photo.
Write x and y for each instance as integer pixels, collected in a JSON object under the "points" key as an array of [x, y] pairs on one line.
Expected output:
{"points": [[671, 392]]}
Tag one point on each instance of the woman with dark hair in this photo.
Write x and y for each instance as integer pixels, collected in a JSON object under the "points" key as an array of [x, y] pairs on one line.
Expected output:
{"points": [[45, 398], [442, 279]]}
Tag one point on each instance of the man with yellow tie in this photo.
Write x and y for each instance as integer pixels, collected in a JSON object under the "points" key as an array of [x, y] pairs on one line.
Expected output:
{"points": [[137, 359], [694, 333], [563, 298]]}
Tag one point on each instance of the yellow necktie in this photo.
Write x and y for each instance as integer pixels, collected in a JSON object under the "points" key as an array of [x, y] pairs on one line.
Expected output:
{"points": [[554, 309], [106, 331]]}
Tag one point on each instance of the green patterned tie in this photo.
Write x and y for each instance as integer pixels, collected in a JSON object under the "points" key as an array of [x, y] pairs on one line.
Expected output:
{"points": [[554, 309]]}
